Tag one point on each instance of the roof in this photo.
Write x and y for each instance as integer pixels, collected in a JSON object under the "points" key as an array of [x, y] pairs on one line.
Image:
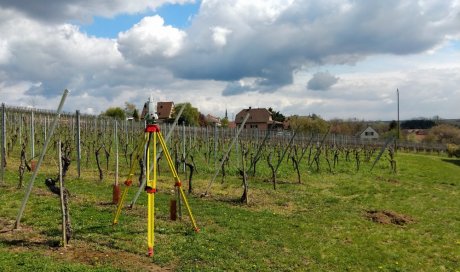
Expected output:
{"points": [[258, 115], [369, 129], [165, 109], [212, 119]]}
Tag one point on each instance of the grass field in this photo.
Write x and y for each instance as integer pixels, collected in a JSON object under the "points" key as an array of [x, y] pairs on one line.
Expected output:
{"points": [[342, 221]]}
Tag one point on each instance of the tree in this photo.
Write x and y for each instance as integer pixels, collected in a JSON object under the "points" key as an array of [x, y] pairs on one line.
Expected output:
{"points": [[202, 120], [393, 125], [131, 111], [418, 124], [224, 122], [276, 115], [444, 133], [312, 123], [136, 115], [190, 115], [115, 112]]}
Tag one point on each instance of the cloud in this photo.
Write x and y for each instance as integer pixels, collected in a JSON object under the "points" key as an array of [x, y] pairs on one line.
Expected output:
{"points": [[4, 52], [322, 81], [57, 57], [219, 35], [237, 87], [150, 41], [233, 51], [57, 11], [270, 40]]}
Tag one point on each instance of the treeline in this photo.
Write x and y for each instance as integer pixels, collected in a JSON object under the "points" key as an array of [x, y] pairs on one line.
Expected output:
{"points": [[313, 123]]}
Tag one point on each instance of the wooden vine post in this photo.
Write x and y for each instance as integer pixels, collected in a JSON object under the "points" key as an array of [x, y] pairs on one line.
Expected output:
{"points": [[32, 136], [78, 142], [116, 186], [226, 154], [244, 197], [280, 160], [61, 196], [272, 168]]}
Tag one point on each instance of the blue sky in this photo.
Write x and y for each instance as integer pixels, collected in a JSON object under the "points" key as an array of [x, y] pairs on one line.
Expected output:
{"points": [[176, 15], [335, 58]]}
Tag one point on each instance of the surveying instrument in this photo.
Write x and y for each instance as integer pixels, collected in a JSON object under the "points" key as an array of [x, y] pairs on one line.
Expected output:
{"points": [[152, 135]]}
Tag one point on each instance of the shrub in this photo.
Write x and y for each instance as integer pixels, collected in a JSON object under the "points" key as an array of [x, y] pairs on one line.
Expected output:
{"points": [[453, 150]]}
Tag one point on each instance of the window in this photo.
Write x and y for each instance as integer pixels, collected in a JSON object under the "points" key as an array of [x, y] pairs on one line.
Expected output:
{"points": [[253, 126], [369, 133]]}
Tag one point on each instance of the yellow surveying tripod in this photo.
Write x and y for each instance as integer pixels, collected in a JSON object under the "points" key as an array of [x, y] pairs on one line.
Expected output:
{"points": [[151, 136]]}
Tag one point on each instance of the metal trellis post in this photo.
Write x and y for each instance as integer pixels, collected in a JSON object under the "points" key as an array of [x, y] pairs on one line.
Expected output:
{"points": [[42, 155]]}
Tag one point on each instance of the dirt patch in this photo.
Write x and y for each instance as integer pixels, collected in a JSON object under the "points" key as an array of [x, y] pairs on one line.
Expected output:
{"points": [[389, 180], [96, 255], [393, 181], [27, 239], [388, 217]]}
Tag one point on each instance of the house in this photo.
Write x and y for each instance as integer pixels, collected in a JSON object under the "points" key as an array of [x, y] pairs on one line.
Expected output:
{"points": [[369, 134], [165, 110], [212, 120], [417, 135], [232, 124], [259, 118]]}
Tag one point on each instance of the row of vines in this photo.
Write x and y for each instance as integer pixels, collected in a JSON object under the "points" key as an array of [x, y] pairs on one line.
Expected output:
{"points": [[94, 143]]}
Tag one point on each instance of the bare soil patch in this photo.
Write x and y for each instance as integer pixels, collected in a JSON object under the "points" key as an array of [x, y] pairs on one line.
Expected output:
{"points": [[27, 239], [388, 217], [389, 180]]}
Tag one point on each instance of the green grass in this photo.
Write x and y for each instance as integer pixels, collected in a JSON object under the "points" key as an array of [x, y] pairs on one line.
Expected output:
{"points": [[319, 225]]}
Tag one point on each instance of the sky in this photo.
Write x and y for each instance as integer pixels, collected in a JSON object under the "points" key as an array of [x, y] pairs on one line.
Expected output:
{"points": [[335, 58]]}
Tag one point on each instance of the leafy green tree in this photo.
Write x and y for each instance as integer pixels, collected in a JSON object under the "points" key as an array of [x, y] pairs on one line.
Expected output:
{"points": [[115, 112], [276, 115], [313, 123], [224, 122], [136, 115], [190, 116], [393, 125], [417, 124]]}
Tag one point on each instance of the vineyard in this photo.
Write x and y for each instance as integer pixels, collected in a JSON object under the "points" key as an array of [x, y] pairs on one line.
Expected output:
{"points": [[90, 143], [264, 200]]}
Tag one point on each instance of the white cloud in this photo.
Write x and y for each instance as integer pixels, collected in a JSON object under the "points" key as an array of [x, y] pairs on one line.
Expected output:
{"points": [[219, 35], [4, 52], [234, 51], [150, 40]]}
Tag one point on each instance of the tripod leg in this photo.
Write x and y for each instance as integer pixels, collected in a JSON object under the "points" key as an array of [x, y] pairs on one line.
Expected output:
{"points": [[120, 205], [151, 223], [177, 180], [151, 190], [129, 181]]}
